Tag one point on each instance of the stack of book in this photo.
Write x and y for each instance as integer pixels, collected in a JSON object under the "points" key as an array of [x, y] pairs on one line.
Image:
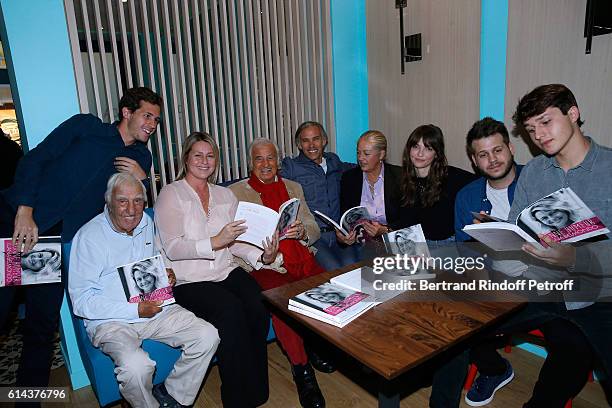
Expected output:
{"points": [[332, 303]]}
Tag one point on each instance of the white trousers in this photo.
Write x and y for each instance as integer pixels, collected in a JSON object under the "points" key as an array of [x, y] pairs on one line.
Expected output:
{"points": [[176, 327]]}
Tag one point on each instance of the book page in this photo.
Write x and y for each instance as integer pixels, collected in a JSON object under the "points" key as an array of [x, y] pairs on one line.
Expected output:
{"points": [[500, 236], [331, 222], [261, 222], [350, 280]]}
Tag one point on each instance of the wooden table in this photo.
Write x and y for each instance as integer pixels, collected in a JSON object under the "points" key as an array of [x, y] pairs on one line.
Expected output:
{"points": [[397, 335]]}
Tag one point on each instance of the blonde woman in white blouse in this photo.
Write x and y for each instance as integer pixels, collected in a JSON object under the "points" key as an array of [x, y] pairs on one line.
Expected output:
{"points": [[196, 232]]}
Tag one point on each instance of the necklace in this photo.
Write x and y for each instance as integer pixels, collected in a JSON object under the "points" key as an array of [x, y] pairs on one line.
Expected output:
{"points": [[205, 200], [371, 186]]}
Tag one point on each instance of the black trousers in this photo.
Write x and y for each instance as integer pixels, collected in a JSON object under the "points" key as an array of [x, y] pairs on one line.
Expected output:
{"points": [[570, 356], [234, 306]]}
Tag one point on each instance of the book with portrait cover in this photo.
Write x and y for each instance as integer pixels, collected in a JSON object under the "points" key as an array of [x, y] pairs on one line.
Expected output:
{"points": [[560, 216], [332, 303], [262, 221], [43, 264], [146, 280], [410, 241], [350, 220]]}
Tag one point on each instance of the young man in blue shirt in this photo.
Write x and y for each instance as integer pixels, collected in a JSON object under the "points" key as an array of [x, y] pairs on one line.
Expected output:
{"points": [[492, 153]]}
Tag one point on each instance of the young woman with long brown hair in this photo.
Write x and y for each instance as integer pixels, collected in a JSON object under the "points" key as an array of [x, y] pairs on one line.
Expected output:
{"points": [[429, 184]]}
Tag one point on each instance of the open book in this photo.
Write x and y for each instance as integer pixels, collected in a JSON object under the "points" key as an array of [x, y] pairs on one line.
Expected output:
{"points": [[43, 264], [351, 219], [332, 304], [262, 221], [561, 216], [146, 280]]}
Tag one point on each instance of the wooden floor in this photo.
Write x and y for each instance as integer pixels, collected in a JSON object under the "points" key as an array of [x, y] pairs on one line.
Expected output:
{"points": [[341, 391]]}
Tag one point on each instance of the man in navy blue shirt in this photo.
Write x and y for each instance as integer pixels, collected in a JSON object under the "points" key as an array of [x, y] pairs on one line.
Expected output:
{"points": [[58, 187], [319, 172]]}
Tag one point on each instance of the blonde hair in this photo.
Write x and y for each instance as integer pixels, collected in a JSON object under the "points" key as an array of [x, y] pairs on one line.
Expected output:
{"points": [[192, 139], [377, 138]]}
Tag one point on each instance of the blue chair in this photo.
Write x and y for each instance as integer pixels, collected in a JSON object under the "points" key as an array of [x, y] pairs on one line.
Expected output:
{"points": [[86, 364]]}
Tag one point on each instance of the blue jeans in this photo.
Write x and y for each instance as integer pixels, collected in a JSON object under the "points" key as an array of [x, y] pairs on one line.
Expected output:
{"points": [[331, 255]]}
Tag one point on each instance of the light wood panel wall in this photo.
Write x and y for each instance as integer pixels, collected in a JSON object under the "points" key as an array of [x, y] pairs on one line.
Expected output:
{"points": [[546, 45], [442, 89]]}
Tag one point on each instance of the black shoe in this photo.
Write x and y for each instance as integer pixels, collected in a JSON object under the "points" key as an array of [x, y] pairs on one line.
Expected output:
{"points": [[165, 400], [319, 363], [308, 390]]}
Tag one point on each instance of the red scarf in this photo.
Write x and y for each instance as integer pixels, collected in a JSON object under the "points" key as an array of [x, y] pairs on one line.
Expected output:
{"points": [[298, 260]]}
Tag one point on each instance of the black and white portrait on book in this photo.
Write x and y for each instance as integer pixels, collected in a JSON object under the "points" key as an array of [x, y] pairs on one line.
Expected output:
{"points": [[325, 295], [554, 212], [403, 242], [354, 217], [42, 264], [409, 241], [142, 280], [287, 217]]}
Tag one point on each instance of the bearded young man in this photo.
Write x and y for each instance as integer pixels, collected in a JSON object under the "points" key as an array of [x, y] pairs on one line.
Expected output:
{"points": [[490, 149]]}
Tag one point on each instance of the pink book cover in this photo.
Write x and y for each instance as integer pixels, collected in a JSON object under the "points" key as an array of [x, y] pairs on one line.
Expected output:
{"points": [[12, 264], [162, 294], [346, 303], [580, 230], [329, 298]]}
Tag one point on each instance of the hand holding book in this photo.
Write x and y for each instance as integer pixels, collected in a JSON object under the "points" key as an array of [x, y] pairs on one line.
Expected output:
{"points": [[374, 228], [171, 276], [25, 233], [296, 231], [263, 222], [149, 308], [228, 234], [556, 254]]}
